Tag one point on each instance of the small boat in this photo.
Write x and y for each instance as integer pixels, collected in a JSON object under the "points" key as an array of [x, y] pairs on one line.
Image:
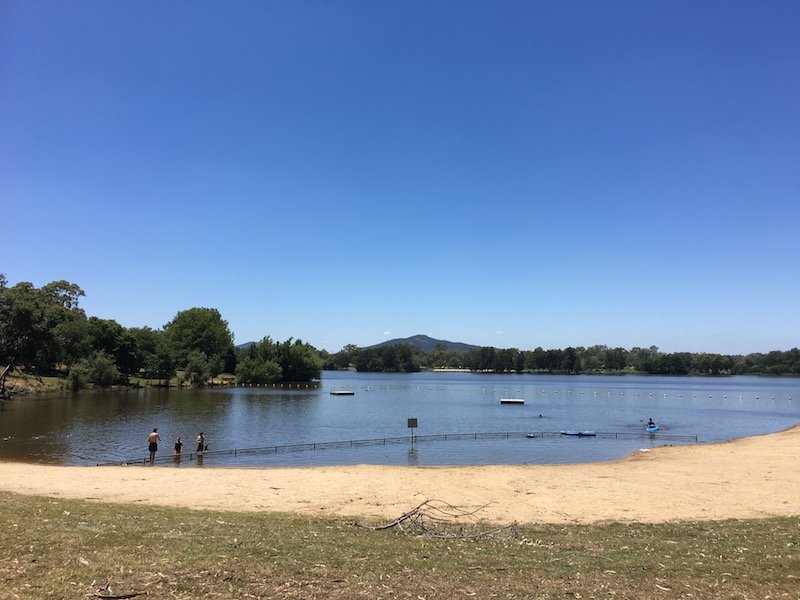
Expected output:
{"points": [[652, 428], [512, 401], [579, 433], [342, 392]]}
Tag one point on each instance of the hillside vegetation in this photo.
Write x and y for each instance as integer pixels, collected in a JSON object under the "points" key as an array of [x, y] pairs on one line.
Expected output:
{"points": [[422, 352]]}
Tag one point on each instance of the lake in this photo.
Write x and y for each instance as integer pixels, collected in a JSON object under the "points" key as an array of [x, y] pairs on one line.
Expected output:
{"points": [[94, 427]]}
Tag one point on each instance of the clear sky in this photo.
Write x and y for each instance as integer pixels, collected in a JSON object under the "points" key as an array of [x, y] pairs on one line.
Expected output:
{"points": [[514, 174]]}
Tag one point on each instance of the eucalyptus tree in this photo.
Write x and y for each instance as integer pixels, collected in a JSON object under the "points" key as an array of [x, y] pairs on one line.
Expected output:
{"points": [[343, 359]]}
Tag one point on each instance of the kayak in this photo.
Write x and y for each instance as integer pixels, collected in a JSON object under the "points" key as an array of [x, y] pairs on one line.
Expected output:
{"points": [[652, 428], [579, 433]]}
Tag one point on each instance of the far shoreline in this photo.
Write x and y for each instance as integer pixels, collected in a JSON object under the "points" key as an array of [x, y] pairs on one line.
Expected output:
{"points": [[20, 386]]}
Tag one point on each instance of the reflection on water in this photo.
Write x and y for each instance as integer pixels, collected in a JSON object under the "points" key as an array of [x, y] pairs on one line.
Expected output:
{"points": [[413, 456], [112, 426]]}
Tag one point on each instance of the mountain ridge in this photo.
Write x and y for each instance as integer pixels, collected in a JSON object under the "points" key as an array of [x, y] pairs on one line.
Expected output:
{"points": [[426, 344]]}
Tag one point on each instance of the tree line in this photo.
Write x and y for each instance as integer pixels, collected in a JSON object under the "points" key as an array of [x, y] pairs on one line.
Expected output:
{"points": [[44, 331], [592, 360]]}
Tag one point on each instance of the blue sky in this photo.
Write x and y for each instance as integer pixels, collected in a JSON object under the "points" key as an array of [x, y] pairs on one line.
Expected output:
{"points": [[515, 174]]}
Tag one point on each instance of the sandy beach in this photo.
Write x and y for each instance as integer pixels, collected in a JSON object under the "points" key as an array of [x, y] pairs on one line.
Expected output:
{"points": [[751, 477]]}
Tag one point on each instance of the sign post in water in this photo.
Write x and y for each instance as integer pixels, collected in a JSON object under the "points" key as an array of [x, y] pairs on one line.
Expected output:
{"points": [[412, 425]]}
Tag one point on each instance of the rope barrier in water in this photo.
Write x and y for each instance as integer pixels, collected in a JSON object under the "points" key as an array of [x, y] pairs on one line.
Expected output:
{"points": [[442, 437]]}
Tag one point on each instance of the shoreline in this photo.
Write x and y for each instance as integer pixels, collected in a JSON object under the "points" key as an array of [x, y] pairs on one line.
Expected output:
{"points": [[745, 478]]}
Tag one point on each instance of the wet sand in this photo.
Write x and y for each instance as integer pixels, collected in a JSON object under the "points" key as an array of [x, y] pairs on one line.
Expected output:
{"points": [[751, 477]]}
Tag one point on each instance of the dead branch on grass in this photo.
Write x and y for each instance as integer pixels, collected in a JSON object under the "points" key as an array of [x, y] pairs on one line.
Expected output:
{"points": [[439, 519]]}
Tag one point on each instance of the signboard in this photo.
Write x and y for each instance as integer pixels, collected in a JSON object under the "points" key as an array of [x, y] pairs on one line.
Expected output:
{"points": [[412, 425]]}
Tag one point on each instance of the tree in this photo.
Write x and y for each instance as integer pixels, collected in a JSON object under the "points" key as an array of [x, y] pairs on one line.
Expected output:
{"points": [[616, 359], [386, 359], [536, 360], [74, 340], [78, 376], [519, 361], [5, 351], [29, 318], [503, 360], [117, 342], [102, 370], [343, 359], [570, 362], [299, 361], [554, 359], [481, 359], [198, 368], [269, 362], [200, 330], [152, 353], [99, 369], [63, 294], [254, 370]]}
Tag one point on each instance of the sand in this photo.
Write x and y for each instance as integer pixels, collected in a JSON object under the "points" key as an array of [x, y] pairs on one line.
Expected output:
{"points": [[751, 477]]}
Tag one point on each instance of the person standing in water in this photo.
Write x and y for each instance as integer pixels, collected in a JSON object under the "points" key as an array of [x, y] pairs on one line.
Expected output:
{"points": [[178, 445], [152, 446], [201, 442]]}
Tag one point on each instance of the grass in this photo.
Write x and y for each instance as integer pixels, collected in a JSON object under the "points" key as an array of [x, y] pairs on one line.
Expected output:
{"points": [[20, 381], [54, 548]]}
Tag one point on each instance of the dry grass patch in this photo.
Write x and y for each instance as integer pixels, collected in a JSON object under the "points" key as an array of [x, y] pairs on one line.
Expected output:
{"points": [[53, 548]]}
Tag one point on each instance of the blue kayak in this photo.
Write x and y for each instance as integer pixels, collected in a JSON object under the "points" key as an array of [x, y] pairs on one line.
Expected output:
{"points": [[652, 428]]}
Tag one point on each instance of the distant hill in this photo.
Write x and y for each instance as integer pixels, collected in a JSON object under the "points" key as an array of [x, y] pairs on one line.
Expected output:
{"points": [[427, 344]]}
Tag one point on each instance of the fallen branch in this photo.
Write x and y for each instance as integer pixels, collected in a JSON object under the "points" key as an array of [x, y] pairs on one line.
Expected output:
{"points": [[404, 517], [120, 596], [435, 518]]}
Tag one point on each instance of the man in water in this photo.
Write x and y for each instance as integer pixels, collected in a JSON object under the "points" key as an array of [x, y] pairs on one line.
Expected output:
{"points": [[153, 440], [201, 442]]}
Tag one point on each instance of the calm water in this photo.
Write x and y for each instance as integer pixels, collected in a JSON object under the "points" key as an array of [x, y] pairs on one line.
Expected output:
{"points": [[98, 427]]}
